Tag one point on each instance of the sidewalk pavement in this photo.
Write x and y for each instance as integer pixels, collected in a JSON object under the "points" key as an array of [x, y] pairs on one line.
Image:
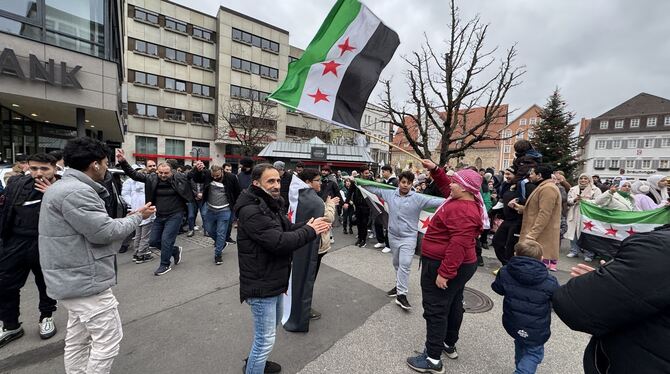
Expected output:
{"points": [[191, 320]]}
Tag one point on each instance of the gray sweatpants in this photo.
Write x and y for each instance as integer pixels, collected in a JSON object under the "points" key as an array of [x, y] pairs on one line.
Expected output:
{"points": [[403, 254], [142, 235]]}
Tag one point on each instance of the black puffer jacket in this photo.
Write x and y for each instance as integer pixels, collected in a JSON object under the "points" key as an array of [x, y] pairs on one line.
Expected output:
{"points": [[180, 182], [625, 305], [229, 181], [265, 244]]}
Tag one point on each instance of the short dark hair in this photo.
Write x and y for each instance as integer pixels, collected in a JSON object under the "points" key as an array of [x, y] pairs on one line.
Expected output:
{"points": [[544, 170], [57, 154], [308, 174], [362, 169], [227, 164], [172, 162], [187, 167], [247, 162], [300, 164], [387, 168], [595, 176], [80, 152], [522, 146], [407, 175], [258, 171], [43, 157]]}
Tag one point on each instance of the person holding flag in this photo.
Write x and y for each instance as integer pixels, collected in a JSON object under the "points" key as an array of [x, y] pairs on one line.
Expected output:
{"points": [[404, 207]]}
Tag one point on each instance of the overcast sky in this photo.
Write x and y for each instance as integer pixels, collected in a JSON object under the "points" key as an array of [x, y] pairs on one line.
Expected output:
{"points": [[598, 52]]}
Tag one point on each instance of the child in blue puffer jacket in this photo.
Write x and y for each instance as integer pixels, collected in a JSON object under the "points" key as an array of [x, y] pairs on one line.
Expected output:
{"points": [[527, 288]]}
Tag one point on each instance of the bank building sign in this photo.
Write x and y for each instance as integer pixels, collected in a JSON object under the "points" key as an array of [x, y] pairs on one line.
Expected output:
{"points": [[38, 71]]}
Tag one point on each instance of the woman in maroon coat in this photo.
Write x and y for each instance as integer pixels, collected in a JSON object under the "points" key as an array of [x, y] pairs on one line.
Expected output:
{"points": [[448, 261]]}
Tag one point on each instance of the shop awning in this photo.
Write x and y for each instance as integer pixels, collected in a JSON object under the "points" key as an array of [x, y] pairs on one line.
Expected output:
{"points": [[303, 151]]}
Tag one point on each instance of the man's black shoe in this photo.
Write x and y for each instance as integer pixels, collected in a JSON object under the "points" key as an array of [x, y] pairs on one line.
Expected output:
{"points": [[270, 367], [177, 256], [231, 241], [480, 261], [7, 336], [123, 249], [314, 315], [393, 292], [218, 260], [401, 300], [144, 258]]}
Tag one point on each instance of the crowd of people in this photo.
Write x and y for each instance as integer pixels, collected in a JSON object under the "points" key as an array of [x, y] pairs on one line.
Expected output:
{"points": [[65, 215]]}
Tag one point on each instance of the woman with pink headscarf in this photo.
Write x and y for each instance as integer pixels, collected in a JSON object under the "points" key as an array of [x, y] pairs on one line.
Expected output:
{"points": [[448, 261]]}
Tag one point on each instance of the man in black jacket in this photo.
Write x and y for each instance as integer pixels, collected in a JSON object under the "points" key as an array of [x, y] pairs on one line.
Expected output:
{"points": [[362, 209], [169, 191], [265, 243], [219, 193], [625, 305], [382, 219], [19, 254]]}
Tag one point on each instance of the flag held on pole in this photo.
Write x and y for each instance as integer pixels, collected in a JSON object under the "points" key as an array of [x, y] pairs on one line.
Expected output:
{"points": [[341, 66]]}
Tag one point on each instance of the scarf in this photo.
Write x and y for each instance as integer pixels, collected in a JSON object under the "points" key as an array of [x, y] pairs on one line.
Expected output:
{"points": [[471, 181]]}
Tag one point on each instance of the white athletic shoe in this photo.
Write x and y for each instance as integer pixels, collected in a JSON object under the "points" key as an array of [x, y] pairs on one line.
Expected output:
{"points": [[380, 245], [47, 328], [386, 250], [571, 255]]}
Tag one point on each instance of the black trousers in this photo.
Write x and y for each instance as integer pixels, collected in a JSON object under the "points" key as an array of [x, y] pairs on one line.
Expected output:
{"points": [[318, 264], [18, 257], [443, 309], [505, 239], [381, 229], [347, 215], [362, 217]]}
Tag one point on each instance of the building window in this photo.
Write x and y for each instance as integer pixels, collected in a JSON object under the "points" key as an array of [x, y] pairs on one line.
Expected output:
{"points": [[143, 15], [147, 110], [202, 118], [665, 142], [664, 164], [604, 125], [202, 62], [174, 147], [505, 164], [531, 134], [202, 147], [202, 90], [646, 164], [599, 164], [146, 145], [291, 59], [256, 41], [176, 85], [533, 121], [202, 33], [173, 24], [146, 78], [648, 143], [616, 143], [175, 55], [614, 164], [507, 148], [304, 133], [651, 122], [519, 134], [666, 122], [174, 114], [254, 68], [247, 93], [630, 164], [618, 124], [522, 122], [507, 134], [635, 122], [632, 143], [600, 144], [144, 47]]}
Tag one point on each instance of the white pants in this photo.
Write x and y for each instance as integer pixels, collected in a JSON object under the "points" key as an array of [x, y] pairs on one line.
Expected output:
{"points": [[93, 333]]}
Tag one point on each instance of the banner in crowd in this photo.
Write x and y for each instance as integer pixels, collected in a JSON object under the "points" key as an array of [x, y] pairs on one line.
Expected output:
{"points": [[376, 202], [603, 230], [304, 203], [341, 66]]}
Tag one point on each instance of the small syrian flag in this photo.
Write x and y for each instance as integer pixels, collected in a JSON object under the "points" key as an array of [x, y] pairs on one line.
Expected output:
{"points": [[603, 230], [341, 66], [376, 202]]}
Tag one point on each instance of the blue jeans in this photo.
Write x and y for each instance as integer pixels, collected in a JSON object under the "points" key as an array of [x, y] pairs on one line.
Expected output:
{"points": [[527, 358], [267, 312], [193, 209], [163, 235], [230, 224], [217, 228]]}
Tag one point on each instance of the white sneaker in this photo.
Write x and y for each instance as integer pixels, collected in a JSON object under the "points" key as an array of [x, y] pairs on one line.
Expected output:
{"points": [[47, 328], [332, 241], [386, 250], [196, 228], [371, 236], [380, 245], [572, 255]]}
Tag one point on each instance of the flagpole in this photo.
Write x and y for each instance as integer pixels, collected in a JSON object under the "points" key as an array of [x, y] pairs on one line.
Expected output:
{"points": [[394, 146]]}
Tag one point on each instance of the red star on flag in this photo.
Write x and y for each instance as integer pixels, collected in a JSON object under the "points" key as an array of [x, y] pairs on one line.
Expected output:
{"points": [[611, 231], [425, 222], [381, 200], [344, 47], [631, 231], [319, 96], [330, 67], [290, 215], [588, 225]]}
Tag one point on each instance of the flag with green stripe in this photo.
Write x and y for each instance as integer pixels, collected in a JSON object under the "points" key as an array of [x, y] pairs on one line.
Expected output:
{"points": [[341, 66], [378, 203], [603, 230]]}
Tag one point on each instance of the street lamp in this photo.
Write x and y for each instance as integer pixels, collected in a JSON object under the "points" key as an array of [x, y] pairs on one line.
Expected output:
{"points": [[195, 151]]}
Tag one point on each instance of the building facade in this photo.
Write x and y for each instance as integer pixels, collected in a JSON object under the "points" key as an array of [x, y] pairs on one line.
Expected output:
{"points": [[633, 136], [60, 74], [520, 128]]}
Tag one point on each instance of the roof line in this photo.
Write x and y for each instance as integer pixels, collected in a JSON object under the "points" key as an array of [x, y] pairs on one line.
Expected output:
{"points": [[524, 112], [252, 19], [191, 9]]}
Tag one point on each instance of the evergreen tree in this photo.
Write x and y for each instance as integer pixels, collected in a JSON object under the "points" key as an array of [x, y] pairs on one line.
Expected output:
{"points": [[555, 135]]}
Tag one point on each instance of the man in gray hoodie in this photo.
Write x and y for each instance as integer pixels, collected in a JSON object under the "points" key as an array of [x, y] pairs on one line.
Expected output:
{"points": [[78, 242], [405, 206]]}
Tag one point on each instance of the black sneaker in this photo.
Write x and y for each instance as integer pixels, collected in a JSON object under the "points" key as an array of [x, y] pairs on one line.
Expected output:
{"points": [[162, 270], [480, 261], [135, 257], [178, 256], [230, 241], [7, 336], [421, 364], [363, 244], [144, 258], [314, 315], [270, 367], [451, 352], [393, 292], [123, 249], [485, 245], [401, 300], [218, 260]]}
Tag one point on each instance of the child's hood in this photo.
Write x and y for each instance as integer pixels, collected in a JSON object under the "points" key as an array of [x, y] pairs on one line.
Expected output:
{"points": [[527, 270]]}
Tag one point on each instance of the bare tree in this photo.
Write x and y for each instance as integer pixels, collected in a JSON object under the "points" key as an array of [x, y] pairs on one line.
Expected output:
{"points": [[445, 87], [251, 121]]}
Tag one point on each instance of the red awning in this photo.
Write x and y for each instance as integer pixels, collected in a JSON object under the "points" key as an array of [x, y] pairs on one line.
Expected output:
{"points": [[148, 155]]}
